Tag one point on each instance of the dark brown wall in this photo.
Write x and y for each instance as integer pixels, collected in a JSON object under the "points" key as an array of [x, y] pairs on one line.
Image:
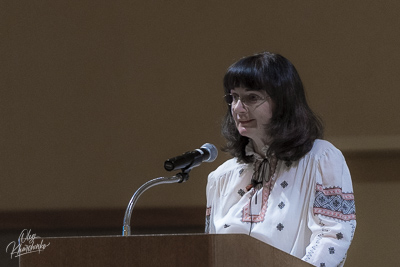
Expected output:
{"points": [[95, 95]]}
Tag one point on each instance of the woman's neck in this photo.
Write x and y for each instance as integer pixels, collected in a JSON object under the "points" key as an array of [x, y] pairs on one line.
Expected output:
{"points": [[258, 146]]}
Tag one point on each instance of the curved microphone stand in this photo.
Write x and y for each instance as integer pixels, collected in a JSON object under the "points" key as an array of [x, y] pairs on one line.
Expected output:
{"points": [[179, 178]]}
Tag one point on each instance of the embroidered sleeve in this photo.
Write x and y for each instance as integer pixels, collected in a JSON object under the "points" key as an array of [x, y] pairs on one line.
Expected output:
{"points": [[332, 217], [207, 223], [210, 194]]}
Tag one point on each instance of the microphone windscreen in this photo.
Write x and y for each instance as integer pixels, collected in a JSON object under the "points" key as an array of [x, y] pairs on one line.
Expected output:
{"points": [[212, 152]]}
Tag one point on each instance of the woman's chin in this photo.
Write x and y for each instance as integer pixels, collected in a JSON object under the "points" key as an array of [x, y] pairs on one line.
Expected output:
{"points": [[245, 132]]}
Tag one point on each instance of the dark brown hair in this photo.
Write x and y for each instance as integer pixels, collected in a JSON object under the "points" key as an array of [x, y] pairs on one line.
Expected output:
{"points": [[293, 126]]}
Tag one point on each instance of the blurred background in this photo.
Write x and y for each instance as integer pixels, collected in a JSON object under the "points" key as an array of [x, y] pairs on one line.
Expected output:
{"points": [[96, 95]]}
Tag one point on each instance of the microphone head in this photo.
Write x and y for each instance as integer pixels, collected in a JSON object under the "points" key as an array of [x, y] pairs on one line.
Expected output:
{"points": [[212, 152]]}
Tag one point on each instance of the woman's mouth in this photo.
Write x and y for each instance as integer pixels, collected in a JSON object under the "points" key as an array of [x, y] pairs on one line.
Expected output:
{"points": [[245, 122]]}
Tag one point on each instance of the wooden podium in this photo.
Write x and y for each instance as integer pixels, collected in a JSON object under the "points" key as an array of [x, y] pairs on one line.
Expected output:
{"points": [[159, 250]]}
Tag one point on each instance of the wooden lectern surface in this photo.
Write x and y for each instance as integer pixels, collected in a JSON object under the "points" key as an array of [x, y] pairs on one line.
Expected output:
{"points": [[159, 250]]}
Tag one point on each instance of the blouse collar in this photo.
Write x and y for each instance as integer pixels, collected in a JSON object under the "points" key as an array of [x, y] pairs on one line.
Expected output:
{"points": [[250, 151]]}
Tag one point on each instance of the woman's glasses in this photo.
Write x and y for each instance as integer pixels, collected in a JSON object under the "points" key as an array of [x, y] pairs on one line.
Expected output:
{"points": [[250, 100]]}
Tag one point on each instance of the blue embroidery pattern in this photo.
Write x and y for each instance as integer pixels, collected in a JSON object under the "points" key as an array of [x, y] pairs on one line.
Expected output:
{"points": [[339, 236], [332, 202], [280, 227], [241, 192]]}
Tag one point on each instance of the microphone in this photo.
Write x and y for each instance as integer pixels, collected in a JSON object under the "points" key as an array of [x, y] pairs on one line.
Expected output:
{"points": [[207, 153]]}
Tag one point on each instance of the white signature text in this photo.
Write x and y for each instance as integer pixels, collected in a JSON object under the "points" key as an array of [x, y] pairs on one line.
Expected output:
{"points": [[26, 244]]}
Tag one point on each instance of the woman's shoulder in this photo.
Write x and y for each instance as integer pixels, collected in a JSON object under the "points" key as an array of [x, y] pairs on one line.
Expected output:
{"points": [[332, 166], [225, 168], [323, 148]]}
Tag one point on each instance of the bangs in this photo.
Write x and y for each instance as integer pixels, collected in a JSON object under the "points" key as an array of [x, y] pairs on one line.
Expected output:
{"points": [[246, 74]]}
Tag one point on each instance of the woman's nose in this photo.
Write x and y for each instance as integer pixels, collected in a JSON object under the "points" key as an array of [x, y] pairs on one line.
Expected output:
{"points": [[239, 107]]}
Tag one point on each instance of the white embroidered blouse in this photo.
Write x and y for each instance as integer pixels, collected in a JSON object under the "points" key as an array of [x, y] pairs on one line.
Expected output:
{"points": [[306, 210]]}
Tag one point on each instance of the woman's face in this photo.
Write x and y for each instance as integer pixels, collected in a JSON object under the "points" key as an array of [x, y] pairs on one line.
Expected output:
{"points": [[253, 114]]}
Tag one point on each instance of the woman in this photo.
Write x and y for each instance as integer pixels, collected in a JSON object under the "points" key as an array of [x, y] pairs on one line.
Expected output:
{"points": [[285, 186]]}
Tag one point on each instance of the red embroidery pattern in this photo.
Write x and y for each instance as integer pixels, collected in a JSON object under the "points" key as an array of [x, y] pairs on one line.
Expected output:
{"points": [[246, 215], [208, 211], [334, 214], [335, 191], [332, 202]]}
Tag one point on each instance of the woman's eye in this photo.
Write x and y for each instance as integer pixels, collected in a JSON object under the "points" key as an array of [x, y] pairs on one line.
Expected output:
{"points": [[253, 98]]}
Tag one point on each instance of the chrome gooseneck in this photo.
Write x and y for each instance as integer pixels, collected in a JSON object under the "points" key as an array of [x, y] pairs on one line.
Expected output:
{"points": [[186, 162], [179, 178]]}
